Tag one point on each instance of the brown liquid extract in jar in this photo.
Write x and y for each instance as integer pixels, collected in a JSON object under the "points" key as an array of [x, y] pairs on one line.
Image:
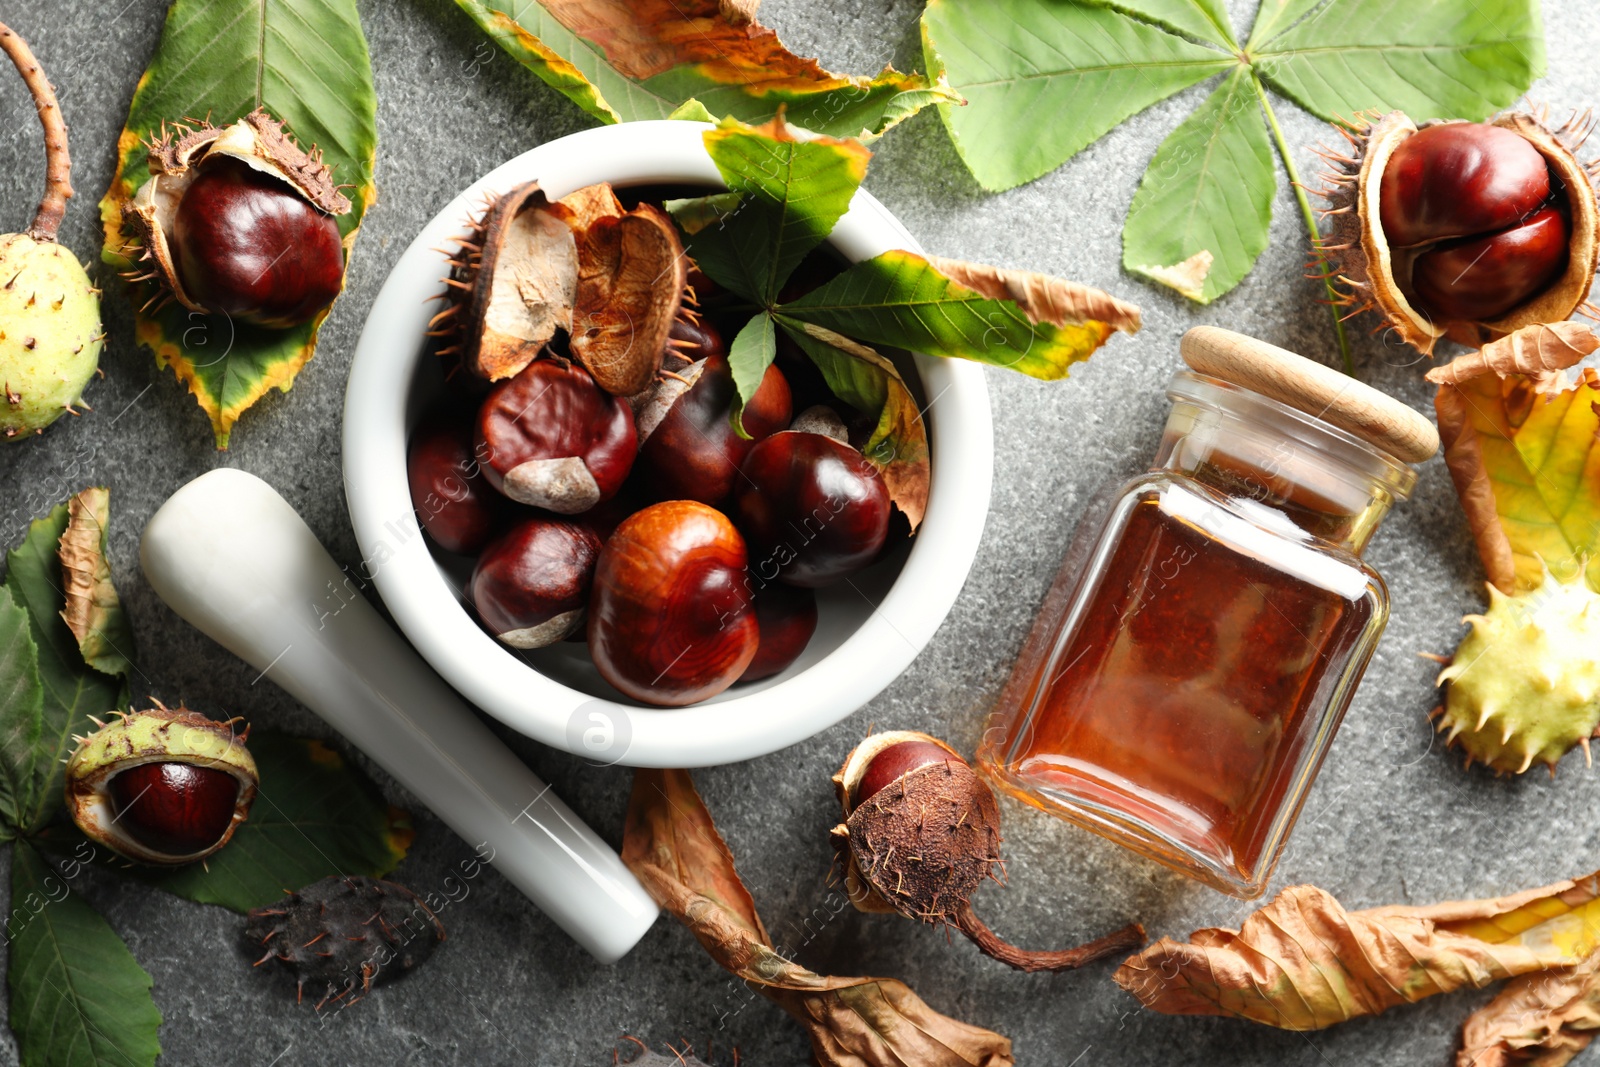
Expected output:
{"points": [[1180, 689]]}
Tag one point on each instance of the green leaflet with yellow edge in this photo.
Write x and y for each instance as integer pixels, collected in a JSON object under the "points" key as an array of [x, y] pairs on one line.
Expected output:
{"points": [[306, 62], [1522, 448], [622, 62]]}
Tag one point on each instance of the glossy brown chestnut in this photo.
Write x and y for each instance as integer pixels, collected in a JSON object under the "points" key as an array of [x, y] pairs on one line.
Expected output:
{"points": [[1485, 277], [455, 505], [247, 245], [531, 586], [669, 619], [894, 763], [550, 437], [176, 808], [813, 508], [1460, 179], [787, 615], [695, 338], [694, 453]]}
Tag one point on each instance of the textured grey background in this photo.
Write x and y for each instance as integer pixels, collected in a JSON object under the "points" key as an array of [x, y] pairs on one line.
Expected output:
{"points": [[1391, 819]]}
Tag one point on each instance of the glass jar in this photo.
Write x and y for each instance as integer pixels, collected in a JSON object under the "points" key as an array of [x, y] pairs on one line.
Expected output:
{"points": [[1181, 687]]}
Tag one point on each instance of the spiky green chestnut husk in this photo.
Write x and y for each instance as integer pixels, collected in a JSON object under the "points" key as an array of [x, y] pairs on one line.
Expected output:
{"points": [[159, 735], [1524, 685], [50, 336]]}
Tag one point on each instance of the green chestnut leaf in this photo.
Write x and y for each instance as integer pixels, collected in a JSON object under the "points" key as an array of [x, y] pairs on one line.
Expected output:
{"points": [[78, 997], [314, 816], [71, 689], [21, 698]]}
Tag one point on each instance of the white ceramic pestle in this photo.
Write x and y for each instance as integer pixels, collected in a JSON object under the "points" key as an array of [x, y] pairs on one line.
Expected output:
{"points": [[230, 555]]}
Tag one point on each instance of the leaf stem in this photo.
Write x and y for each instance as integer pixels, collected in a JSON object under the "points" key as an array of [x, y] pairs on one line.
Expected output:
{"points": [[1310, 219]]}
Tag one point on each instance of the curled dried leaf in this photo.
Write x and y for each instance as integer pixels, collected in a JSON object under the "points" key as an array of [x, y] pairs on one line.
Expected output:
{"points": [[513, 280], [1042, 297], [93, 611], [1520, 441], [1303, 962], [1542, 351], [673, 846], [631, 274], [1542, 1019]]}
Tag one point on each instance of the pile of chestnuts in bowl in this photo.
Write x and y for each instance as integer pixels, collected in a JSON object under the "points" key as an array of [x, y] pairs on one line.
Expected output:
{"points": [[582, 480]]}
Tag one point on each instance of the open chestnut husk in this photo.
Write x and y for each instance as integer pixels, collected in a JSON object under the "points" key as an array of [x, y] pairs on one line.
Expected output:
{"points": [[670, 620], [551, 438], [164, 786], [921, 833], [688, 447], [239, 220], [531, 585], [1462, 230]]}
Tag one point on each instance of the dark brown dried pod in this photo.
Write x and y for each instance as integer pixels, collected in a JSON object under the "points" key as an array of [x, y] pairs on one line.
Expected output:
{"points": [[921, 833], [631, 276], [511, 285], [343, 935], [1381, 272]]}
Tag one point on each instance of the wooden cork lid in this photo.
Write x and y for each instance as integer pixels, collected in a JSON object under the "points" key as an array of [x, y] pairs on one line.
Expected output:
{"points": [[1375, 417]]}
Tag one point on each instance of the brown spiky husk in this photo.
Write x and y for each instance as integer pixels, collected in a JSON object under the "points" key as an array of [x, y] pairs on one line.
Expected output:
{"points": [[1371, 276], [343, 935], [922, 846], [258, 139]]}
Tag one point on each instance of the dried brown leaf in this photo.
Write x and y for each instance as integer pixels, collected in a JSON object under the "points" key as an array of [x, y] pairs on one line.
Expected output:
{"points": [[1542, 351], [631, 273], [1539, 1019], [93, 612], [674, 848], [1042, 297], [1302, 962]]}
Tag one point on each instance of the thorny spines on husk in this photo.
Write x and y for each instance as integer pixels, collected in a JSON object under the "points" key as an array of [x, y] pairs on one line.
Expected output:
{"points": [[345, 933], [1524, 684], [1355, 255]]}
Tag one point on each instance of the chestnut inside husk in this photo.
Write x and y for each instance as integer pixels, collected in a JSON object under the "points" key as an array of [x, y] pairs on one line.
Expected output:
{"points": [[165, 786]]}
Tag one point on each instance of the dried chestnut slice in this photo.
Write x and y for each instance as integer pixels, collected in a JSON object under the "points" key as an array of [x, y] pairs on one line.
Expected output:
{"points": [[532, 584], [921, 833], [1444, 230], [550, 437], [239, 220], [454, 503], [1485, 277], [511, 285], [691, 451], [787, 617], [163, 786], [670, 621], [814, 509]]}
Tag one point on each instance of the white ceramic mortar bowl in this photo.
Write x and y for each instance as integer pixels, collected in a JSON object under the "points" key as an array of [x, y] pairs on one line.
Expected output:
{"points": [[870, 628]]}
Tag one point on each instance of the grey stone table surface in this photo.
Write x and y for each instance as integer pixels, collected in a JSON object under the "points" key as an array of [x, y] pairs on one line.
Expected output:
{"points": [[1391, 819]]}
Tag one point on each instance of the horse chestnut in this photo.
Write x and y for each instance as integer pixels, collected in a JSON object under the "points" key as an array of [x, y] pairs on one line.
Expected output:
{"points": [[693, 452], [787, 617], [531, 586], [1460, 179], [1484, 277], [249, 246], [552, 438], [161, 786], [455, 505], [669, 621], [239, 220], [895, 762], [813, 508]]}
